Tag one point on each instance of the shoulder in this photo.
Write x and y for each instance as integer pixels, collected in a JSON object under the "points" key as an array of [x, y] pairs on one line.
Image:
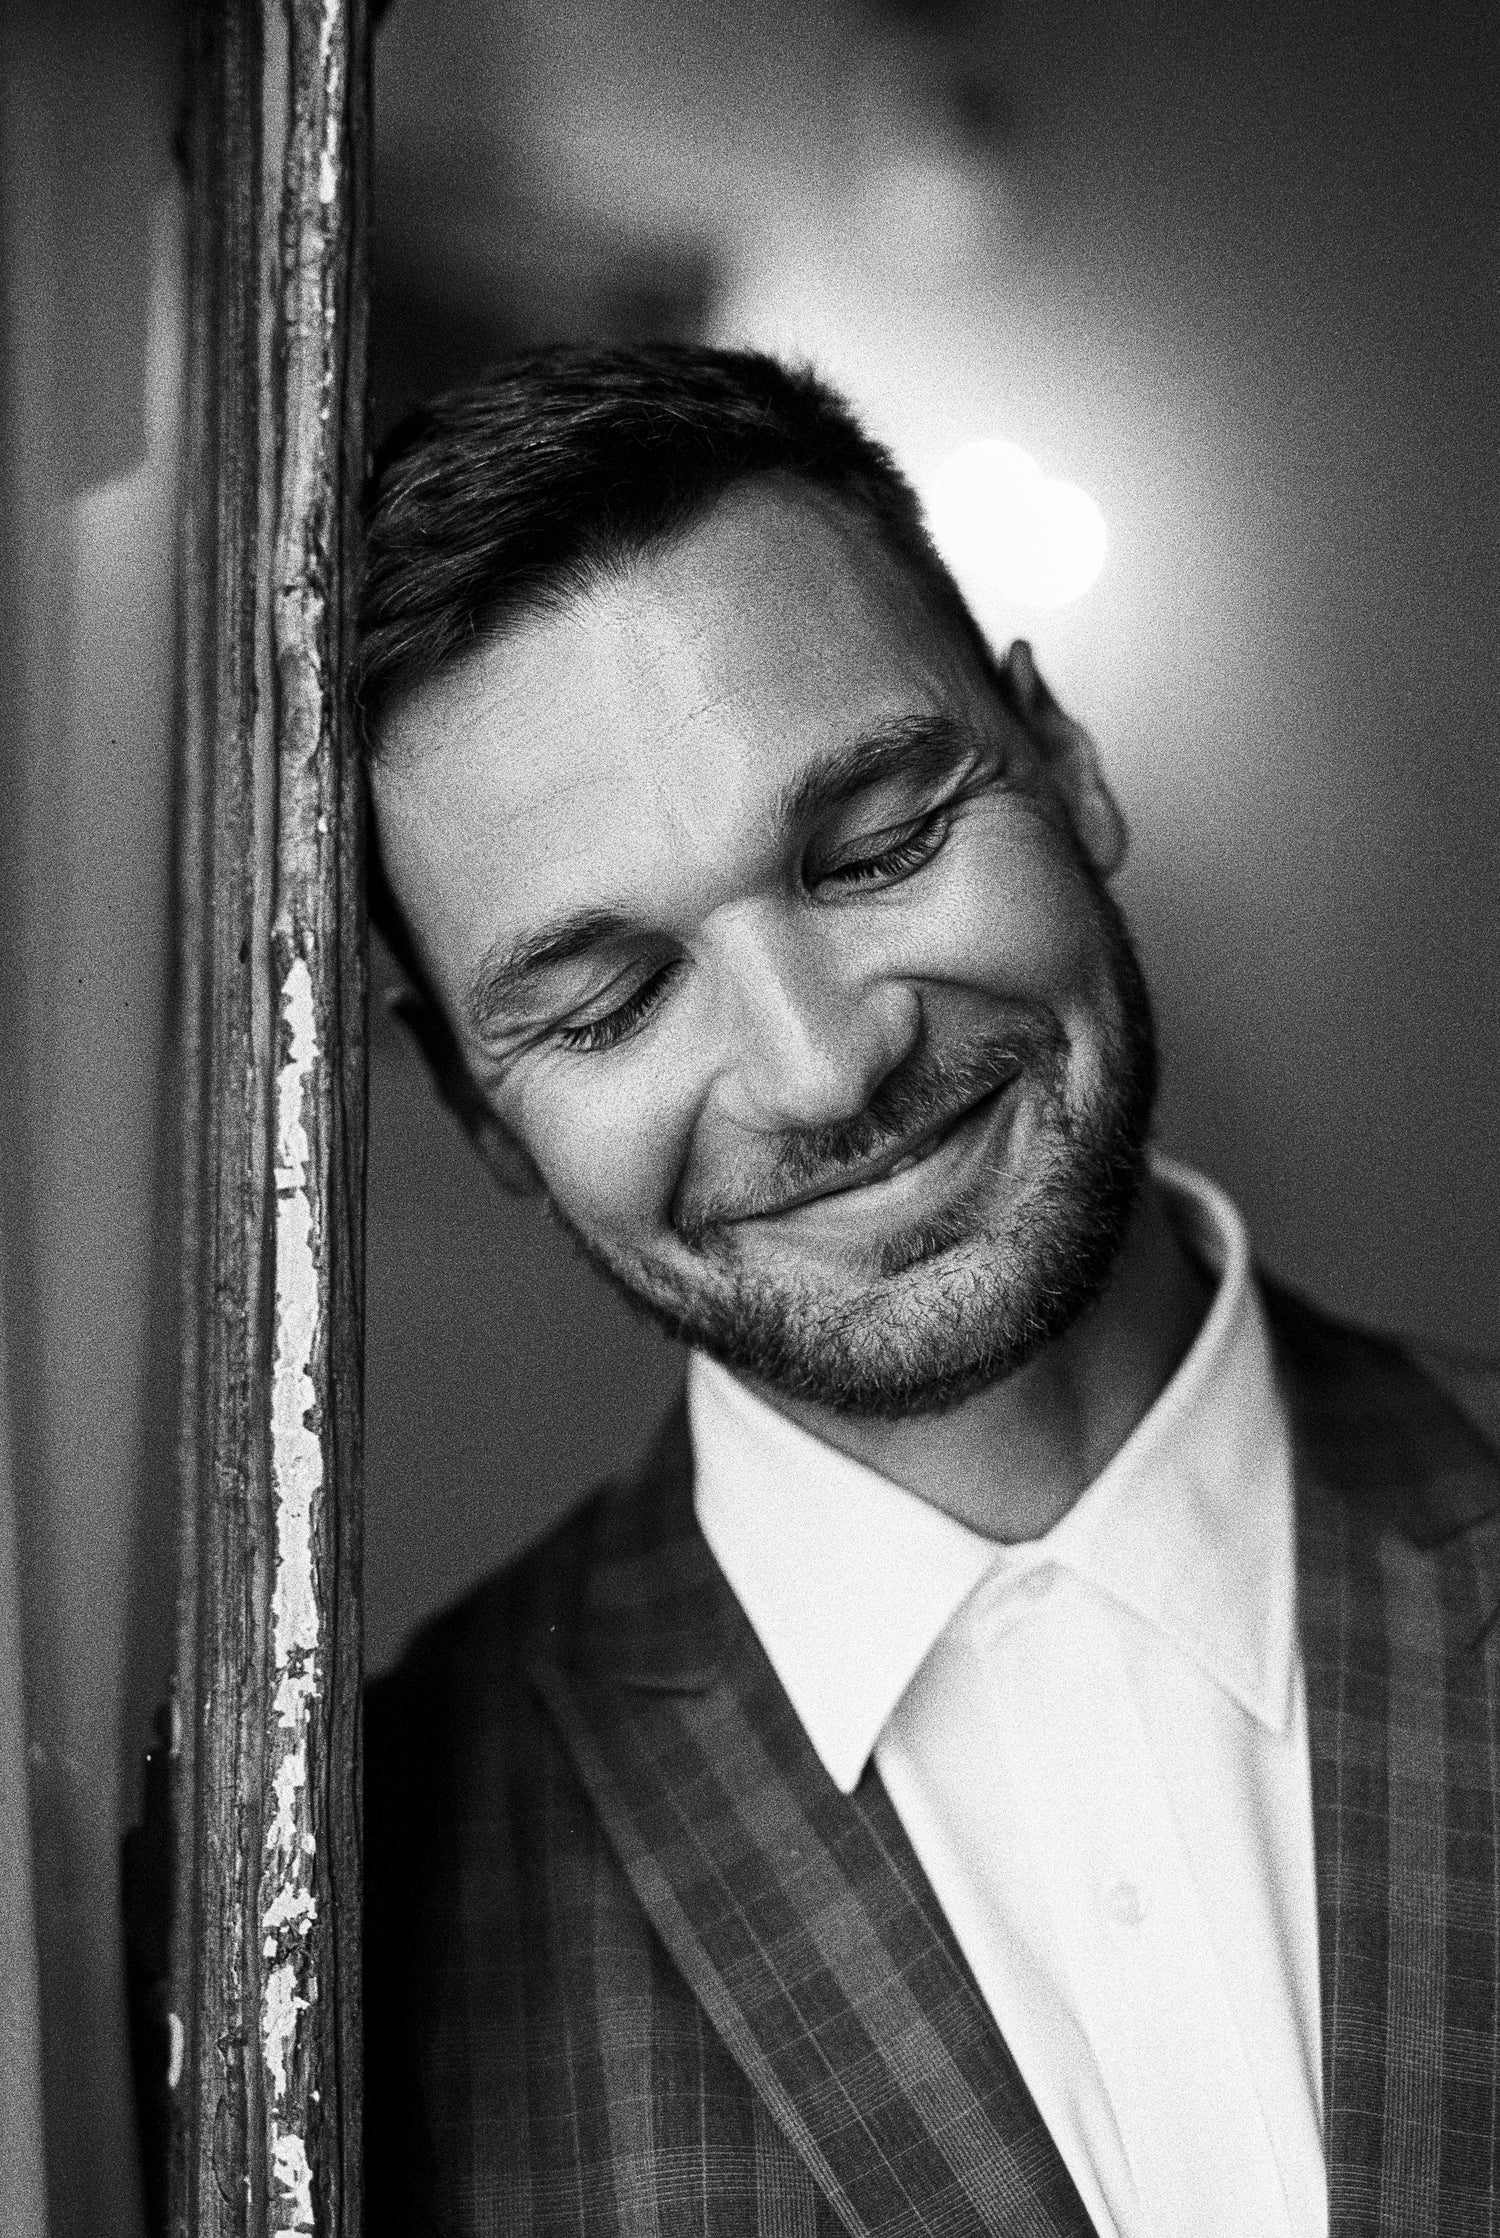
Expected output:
{"points": [[1338, 1352], [488, 1884], [1470, 1380], [1390, 1415], [455, 1744], [463, 1684], [460, 1706], [481, 1643]]}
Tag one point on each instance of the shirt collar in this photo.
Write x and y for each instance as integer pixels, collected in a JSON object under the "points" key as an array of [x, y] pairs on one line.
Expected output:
{"points": [[848, 1579]]}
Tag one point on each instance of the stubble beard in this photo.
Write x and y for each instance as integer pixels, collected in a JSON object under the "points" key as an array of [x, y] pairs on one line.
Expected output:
{"points": [[958, 1301]]}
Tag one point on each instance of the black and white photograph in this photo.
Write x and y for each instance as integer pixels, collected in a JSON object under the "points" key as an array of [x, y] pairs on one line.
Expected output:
{"points": [[750, 1242]]}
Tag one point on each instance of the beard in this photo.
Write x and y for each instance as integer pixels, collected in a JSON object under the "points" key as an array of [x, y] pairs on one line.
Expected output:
{"points": [[958, 1300]]}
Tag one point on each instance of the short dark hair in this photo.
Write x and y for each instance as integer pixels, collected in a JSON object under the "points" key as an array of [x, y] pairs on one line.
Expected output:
{"points": [[510, 495]]}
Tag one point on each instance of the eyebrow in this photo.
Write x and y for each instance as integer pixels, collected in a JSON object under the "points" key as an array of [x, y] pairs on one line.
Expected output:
{"points": [[501, 974], [912, 746]]}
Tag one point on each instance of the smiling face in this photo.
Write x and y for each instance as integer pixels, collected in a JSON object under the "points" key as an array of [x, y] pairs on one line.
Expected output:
{"points": [[764, 929]]}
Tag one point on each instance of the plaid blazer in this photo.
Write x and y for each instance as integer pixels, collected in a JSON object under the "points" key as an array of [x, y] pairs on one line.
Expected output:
{"points": [[635, 1966]]}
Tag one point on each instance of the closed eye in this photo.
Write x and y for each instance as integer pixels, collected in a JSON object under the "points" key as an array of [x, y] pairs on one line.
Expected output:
{"points": [[905, 850], [592, 1034]]}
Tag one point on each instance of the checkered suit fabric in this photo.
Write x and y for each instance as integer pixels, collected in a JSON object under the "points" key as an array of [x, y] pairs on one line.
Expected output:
{"points": [[535, 2062], [1400, 1577], [635, 1965]]}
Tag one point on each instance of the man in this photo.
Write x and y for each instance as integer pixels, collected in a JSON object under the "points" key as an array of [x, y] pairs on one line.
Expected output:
{"points": [[1024, 1755]]}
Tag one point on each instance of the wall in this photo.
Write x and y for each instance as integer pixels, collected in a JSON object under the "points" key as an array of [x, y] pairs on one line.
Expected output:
{"points": [[90, 312], [1231, 269]]}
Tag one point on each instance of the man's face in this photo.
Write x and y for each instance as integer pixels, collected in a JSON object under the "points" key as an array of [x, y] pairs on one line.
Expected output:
{"points": [[764, 931]]}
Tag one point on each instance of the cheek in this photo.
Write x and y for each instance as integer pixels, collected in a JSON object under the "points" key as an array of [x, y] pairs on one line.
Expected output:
{"points": [[1011, 912], [607, 1136]]}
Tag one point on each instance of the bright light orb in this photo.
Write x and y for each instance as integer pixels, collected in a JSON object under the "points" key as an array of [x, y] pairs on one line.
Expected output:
{"points": [[1008, 533]]}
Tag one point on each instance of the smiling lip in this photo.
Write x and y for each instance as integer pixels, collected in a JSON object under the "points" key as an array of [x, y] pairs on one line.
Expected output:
{"points": [[899, 1158]]}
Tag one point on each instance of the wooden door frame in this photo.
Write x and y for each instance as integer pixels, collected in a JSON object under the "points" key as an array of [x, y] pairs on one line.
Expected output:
{"points": [[265, 2029]]}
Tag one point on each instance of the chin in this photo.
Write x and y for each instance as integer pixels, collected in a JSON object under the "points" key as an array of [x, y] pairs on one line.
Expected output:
{"points": [[943, 1307], [944, 1319]]}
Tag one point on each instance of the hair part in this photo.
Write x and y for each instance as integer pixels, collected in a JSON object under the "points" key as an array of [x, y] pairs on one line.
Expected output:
{"points": [[513, 495]]}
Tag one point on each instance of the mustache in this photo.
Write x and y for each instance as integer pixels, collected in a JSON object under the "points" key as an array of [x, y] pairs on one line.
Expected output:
{"points": [[929, 1091]]}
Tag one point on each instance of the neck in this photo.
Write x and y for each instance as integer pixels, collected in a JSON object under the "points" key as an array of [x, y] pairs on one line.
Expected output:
{"points": [[1010, 1461]]}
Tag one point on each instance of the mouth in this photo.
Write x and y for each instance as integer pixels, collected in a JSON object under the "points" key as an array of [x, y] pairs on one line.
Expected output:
{"points": [[898, 1159]]}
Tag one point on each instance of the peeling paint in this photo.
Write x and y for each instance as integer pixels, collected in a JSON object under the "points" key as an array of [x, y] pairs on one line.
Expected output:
{"points": [[280, 2005], [292, 2173], [289, 1904], [331, 25], [266, 2102]]}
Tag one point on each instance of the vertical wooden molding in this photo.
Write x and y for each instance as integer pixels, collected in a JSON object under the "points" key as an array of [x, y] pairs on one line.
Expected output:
{"points": [[266, 1934]]}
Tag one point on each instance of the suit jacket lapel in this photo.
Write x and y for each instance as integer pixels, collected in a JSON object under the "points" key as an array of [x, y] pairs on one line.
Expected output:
{"points": [[1397, 1500], [800, 1916]]}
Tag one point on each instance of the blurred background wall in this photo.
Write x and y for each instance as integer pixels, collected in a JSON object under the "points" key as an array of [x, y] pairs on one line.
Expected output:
{"points": [[1233, 270], [91, 313]]}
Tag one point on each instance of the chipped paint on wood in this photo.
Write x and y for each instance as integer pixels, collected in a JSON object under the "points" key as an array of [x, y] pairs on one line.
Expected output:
{"points": [[294, 2179], [268, 1985], [330, 155], [289, 1905]]}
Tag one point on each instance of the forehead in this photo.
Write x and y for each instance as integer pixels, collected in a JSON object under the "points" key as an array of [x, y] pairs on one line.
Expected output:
{"points": [[639, 737]]}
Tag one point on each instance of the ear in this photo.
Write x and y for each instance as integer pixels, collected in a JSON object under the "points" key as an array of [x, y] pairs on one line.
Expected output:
{"points": [[1070, 758], [498, 1151]]}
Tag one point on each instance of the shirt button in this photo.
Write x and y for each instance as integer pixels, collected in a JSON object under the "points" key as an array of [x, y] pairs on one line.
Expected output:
{"points": [[1126, 1902], [1036, 1585]]}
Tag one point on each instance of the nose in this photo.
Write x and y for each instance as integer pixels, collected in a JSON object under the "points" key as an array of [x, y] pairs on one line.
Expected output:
{"points": [[809, 1039]]}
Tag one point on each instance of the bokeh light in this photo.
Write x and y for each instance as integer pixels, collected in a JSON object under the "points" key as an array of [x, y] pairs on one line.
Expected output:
{"points": [[1012, 536]]}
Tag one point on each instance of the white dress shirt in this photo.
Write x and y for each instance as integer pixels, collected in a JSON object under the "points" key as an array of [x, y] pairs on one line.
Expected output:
{"points": [[1097, 1743]]}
